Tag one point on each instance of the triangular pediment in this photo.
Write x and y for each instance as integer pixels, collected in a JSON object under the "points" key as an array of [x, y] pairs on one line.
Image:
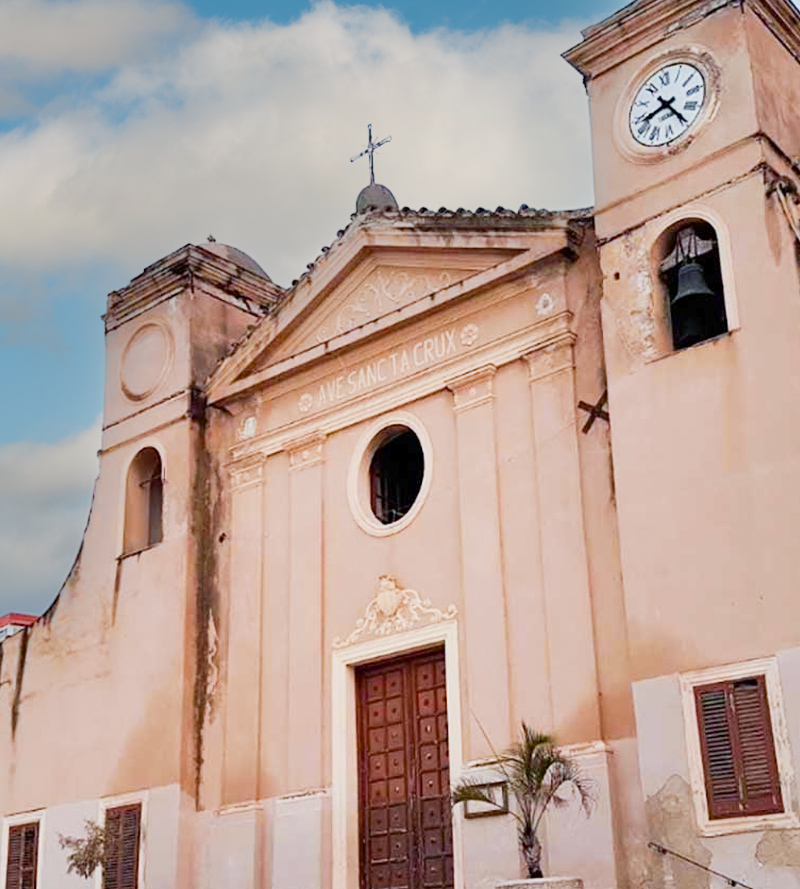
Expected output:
{"points": [[378, 274], [383, 281]]}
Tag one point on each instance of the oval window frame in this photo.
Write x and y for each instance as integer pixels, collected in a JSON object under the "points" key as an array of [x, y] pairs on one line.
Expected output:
{"points": [[358, 490]]}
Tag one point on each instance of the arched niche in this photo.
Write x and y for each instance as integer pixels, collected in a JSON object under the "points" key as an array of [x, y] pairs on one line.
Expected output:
{"points": [[144, 502]]}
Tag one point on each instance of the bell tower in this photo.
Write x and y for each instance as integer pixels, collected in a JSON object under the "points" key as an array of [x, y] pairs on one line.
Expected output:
{"points": [[695, 111]]}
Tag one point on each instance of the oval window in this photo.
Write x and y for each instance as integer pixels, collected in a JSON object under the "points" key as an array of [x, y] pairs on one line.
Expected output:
{"points": [[390, 474], [396, 471]]}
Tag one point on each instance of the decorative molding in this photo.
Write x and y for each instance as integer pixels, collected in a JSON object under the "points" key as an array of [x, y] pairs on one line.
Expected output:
{"points": [[358, 483], [248, 472], [247, 427], [551, 358], [369, 404], [305, 451], [146, 359], [545, 305], [472, 389], [379, 294], [639, 26], [393, 610], [222, 387]]}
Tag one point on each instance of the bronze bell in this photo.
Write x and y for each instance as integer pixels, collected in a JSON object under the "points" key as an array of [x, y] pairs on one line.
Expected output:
{"points": [[693, 307]]}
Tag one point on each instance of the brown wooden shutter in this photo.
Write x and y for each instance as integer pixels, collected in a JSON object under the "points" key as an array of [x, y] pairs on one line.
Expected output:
{"points": [[741, 772], [121, 867], [23, 852]]}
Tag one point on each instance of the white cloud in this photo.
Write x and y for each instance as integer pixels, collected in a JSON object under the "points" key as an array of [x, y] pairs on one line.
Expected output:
{"points": [[45, 490], [245, 132], [85, 35]]}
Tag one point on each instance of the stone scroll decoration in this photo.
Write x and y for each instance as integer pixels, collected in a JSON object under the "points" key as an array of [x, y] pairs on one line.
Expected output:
{"points": [[392, 610], [384, 291]]}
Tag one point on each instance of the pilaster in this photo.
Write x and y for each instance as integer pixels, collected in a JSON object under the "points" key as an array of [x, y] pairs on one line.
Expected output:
{"points": [[305, 611], [483, 595], [570, 638], [242, 708]]}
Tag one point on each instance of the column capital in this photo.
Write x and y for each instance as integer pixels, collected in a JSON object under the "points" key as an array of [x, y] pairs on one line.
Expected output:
{"points": [[306, 450], [473, 388], [551, 357], [247, 472]]}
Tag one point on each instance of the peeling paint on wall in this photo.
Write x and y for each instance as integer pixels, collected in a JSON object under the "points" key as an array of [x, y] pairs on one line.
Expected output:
{"points": [[671, 822], [779, 848], [631, 299]]}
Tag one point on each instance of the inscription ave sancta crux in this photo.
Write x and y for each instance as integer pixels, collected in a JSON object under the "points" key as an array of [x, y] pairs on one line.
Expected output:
{"points": [[397, 364]]}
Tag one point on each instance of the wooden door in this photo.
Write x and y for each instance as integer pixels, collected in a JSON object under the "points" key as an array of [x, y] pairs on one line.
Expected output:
{"points": [[404, 778]]}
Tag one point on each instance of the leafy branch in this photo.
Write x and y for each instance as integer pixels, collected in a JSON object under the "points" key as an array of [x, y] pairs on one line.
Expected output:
{"points": [[86, 853]]}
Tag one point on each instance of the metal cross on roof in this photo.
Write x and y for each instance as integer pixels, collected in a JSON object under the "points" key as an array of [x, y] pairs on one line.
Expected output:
{"points": [[370, 150]]}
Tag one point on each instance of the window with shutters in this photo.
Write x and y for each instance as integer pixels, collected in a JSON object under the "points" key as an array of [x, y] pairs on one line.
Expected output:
{"points": [[740, 771], [22, 854], [123, 833]]}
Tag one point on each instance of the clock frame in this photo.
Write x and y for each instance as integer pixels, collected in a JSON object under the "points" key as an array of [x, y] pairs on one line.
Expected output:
{"points": [[630, 142]]}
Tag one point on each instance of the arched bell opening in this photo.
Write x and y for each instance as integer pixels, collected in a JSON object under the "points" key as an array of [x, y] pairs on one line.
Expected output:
{"points": [[692, 275], [144, 502]]}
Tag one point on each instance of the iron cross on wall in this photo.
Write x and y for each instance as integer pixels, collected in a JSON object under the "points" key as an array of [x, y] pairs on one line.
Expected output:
{"points": [[595, 411]]}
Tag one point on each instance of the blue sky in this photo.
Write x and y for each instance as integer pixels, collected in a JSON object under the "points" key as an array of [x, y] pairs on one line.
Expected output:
{"points": [[131, 127]]}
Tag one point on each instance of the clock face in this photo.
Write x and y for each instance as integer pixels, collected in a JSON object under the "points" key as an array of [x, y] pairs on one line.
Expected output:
{"points": [[667, 104]]}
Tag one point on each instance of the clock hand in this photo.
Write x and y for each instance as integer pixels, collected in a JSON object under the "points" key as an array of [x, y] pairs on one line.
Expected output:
{"points": [[652, 114], [669, 107], [661, 107]]}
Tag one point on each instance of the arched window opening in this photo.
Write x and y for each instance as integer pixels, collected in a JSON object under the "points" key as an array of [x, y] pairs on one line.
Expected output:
{"points": [[395, 474], [693, 276], [144, 502]]}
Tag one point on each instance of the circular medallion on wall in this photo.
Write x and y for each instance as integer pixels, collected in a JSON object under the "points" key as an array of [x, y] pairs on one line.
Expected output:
{"points": [[146, 360]]}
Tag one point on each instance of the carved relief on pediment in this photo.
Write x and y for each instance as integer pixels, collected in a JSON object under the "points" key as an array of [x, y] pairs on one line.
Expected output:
{"points": [[384, 289], [393, 609]]}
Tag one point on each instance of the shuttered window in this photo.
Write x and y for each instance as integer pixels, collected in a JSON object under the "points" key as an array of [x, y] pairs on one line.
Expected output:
{"points": [[121, 868], [741, 771], [23, 850]]}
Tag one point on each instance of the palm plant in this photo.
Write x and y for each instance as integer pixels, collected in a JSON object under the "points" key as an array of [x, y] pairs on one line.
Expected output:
{"points": [[536, 773]]}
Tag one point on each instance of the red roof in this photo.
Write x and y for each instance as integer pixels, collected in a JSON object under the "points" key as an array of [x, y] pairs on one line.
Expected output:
{"points": [[24, 620]]}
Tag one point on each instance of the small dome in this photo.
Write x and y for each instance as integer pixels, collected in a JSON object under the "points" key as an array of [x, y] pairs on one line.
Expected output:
{"points": [[233, 254], [375, 197]]}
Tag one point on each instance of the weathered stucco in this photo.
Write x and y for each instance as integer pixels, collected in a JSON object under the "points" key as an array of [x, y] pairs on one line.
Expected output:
{"points": [[671, 823], [599, 515]]}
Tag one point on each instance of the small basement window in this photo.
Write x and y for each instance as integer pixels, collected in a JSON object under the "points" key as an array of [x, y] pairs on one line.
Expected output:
{"points": [[692, 274], [144, 502], [396, 472]]}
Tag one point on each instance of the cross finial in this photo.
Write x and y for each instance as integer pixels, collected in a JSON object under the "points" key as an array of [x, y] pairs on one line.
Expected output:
{"points": [[370, 150]]}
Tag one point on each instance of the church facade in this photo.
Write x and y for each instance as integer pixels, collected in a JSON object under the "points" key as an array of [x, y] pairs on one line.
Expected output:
{"points": [[472, 468]]}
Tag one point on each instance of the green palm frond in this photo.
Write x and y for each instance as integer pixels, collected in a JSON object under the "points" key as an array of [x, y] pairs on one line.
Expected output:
{"points": [[537, 774], [473, 791]]}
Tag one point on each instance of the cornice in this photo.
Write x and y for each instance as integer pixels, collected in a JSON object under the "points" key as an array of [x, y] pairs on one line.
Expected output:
{"points": [[516, 232], [192, 267], [224, 385], [647, 22], [455, 372]]}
